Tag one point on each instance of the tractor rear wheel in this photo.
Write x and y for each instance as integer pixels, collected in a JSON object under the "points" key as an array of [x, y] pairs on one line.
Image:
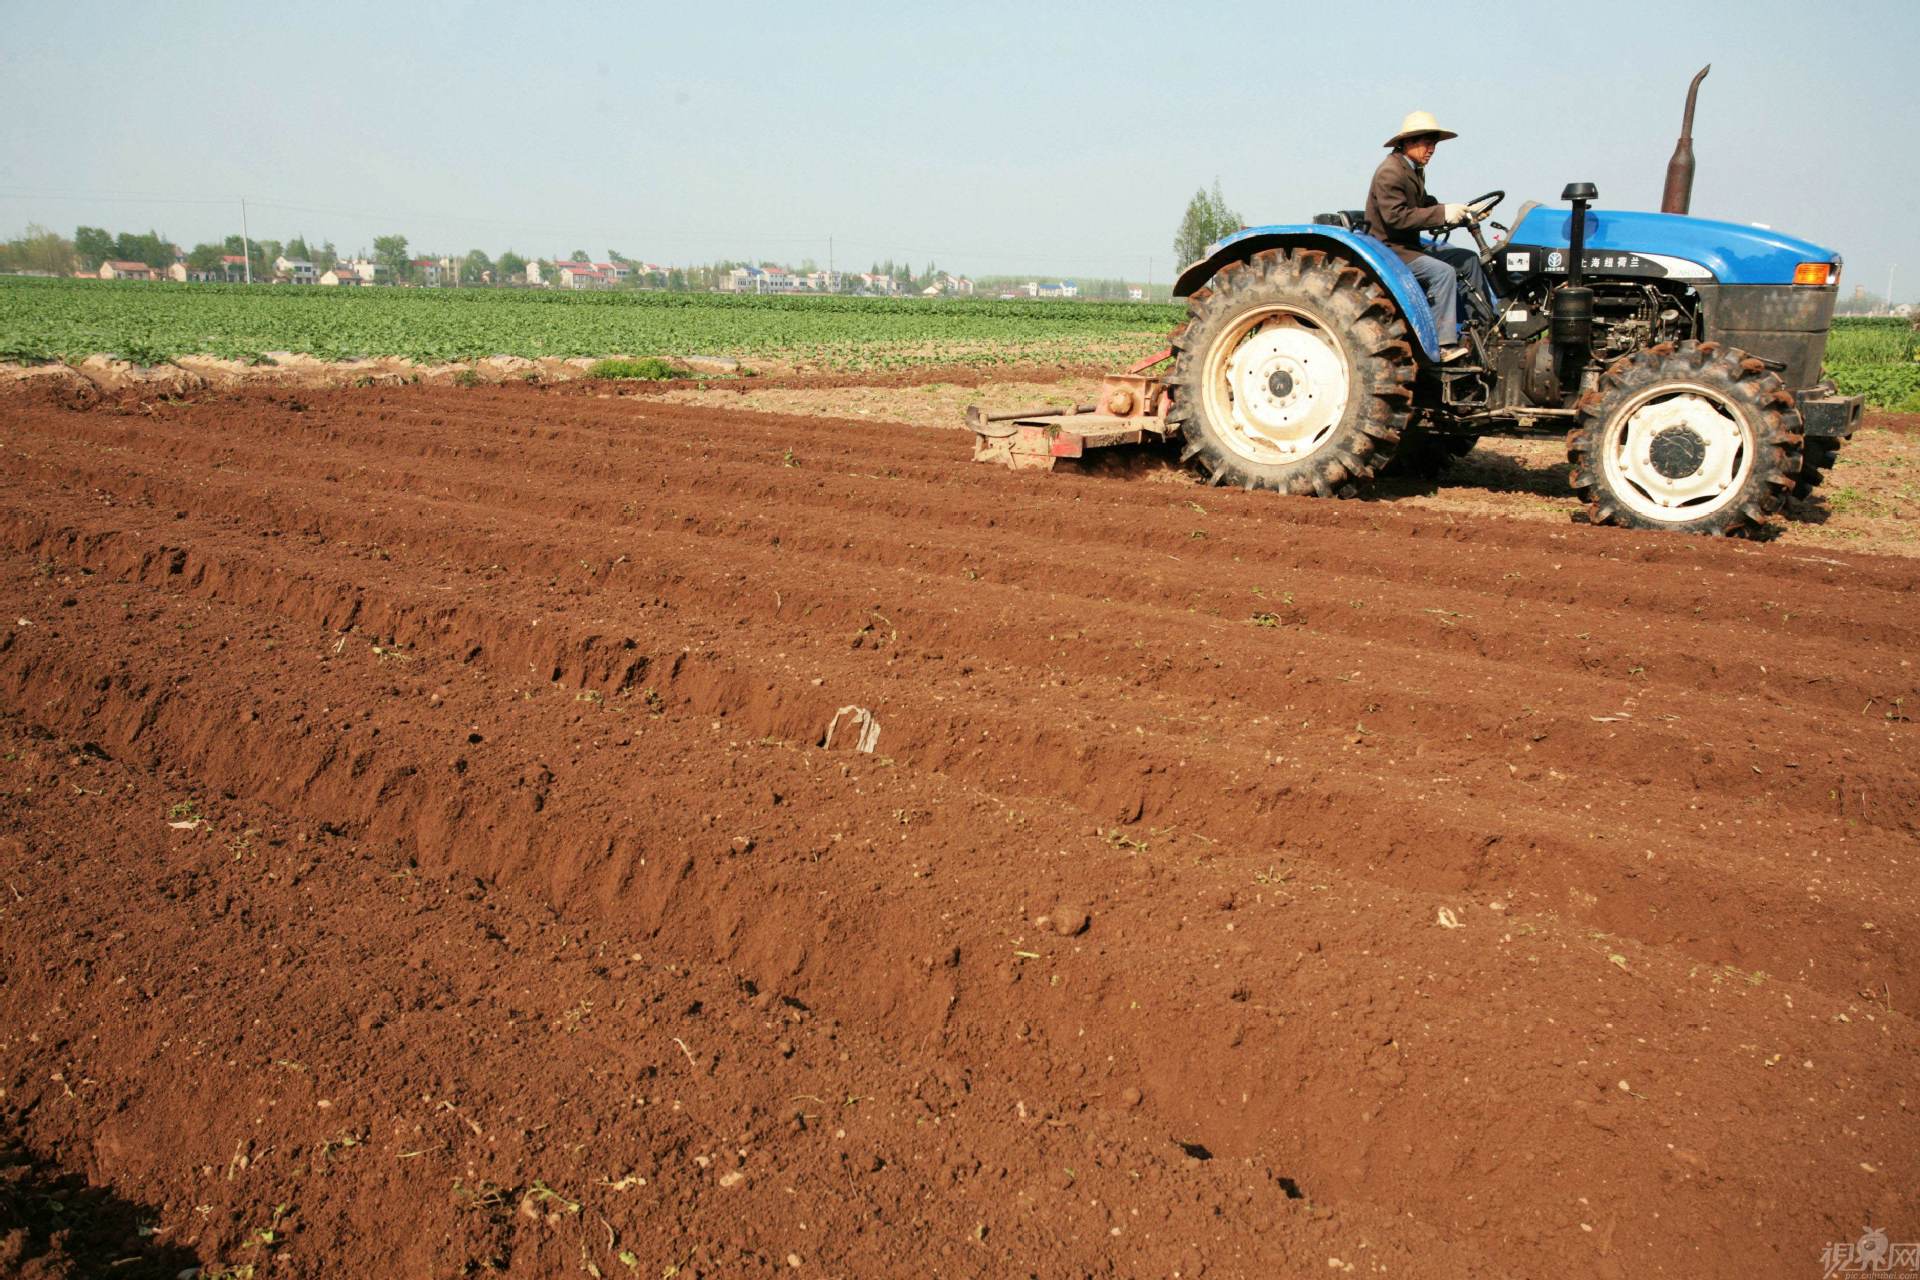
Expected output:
{"points": [[1292, 373], [1695, 438]]}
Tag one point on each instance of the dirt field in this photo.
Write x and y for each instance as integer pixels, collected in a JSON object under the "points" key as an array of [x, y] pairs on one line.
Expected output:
{"points": [[1870, 503], [419, 857]]}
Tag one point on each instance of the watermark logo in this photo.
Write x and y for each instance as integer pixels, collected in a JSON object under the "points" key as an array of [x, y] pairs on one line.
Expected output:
{"points": [[1872, 1255]]}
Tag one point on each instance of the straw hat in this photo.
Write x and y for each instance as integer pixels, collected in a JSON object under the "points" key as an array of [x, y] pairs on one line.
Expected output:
{"points": [[1420, 124]]}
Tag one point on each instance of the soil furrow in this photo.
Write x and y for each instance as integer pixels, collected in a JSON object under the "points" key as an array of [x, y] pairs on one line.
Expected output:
{"points": [[467, 1049], [1185, 757], [666, 455], [1793, 670], [1415, 885], [747, 901]]}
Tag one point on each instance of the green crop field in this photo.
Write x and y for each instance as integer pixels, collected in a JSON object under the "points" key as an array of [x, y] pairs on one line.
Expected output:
{"points": [[1878, 359], [43, 319]]}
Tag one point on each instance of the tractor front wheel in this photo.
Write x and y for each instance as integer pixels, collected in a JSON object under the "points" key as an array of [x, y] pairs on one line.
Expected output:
{"points": [[1696, 438], [1292, 373]]}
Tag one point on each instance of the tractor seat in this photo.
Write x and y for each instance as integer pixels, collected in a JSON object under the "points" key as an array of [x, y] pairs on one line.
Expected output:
{"points": [[1349, 219]]}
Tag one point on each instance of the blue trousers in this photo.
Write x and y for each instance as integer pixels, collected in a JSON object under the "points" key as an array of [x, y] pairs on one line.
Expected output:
{"points": [[1436, 270]]}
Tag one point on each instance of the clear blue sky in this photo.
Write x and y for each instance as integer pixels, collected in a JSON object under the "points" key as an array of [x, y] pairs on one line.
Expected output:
{"points": [[1060, 138]]}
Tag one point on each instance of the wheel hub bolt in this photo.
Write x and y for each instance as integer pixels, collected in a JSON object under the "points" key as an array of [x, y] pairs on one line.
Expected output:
{"points": [[1678, 452]]}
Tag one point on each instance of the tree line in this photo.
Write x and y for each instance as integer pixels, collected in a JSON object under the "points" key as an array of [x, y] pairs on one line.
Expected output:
{"points": [[1090, 288], [45, 251]]}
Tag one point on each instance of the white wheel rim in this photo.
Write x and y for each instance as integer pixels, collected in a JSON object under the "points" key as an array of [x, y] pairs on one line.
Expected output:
{"points": [[1276, 386], [1678, 453]]}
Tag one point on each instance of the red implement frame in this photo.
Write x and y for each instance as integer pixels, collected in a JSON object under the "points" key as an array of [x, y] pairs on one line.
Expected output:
{"points": [[1131, 410]]}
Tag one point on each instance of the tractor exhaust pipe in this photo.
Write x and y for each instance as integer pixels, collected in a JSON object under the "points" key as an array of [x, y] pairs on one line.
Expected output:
{"points": [[1678, 197]]}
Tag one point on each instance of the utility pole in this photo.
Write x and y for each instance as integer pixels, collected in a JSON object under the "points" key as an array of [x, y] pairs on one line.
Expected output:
{"points": [[1890, 270], [831, 283], [246, 245]]}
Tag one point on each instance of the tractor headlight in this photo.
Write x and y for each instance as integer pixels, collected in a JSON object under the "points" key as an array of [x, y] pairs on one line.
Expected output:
{"points": [[1817, 273]]}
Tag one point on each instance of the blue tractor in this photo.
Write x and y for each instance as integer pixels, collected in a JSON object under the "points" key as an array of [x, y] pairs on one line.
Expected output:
{"points": [[1679, 357]]}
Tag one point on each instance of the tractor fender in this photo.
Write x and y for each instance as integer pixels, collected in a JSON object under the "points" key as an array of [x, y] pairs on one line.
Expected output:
{"points": [[1363, 251]]}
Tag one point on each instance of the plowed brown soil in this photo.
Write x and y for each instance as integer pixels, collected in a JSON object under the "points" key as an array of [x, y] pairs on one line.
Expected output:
{"points": [[419, 857]]}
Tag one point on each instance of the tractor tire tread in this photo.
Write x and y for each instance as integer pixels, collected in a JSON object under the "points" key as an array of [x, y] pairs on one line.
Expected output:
{"points": [[1817, 456], [1769, 410], [1361, 315]]}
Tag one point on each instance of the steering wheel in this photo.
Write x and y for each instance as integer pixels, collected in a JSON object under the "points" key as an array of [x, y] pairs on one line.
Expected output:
{"points": [[1477, 210], [1480, 206]]}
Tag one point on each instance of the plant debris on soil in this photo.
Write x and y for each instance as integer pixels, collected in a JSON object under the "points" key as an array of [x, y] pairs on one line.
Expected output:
{"points": [[421, 854]]}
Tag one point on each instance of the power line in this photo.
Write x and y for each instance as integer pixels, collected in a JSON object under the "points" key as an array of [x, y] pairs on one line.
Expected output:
{"points": [[78, 198], [531, 227], [510, 223]]}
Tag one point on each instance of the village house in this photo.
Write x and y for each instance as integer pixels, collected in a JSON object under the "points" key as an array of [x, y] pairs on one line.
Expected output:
{"points": [[552, 273], [340, 274], [752, 279], [615, 272], [294, 270], [955, 286], [114, 270], [230, 269], [427, 271], [581, 275]]}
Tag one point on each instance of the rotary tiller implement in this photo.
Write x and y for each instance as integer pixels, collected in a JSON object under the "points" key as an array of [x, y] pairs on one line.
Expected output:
{"points": [[1131, 409]]}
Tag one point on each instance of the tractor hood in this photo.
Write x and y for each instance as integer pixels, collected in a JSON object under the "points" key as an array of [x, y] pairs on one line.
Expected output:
{"points": [[1688, 248]]}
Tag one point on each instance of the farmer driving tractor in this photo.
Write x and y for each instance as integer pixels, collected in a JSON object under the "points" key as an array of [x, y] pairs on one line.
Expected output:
{"points": [[1399, 209]]}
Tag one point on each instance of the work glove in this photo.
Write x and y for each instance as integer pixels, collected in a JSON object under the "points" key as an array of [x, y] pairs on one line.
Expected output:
{"points": [[1456, 214]]}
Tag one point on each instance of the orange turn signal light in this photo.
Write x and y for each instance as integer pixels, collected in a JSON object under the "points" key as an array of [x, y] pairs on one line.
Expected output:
{"points": [[1813, 273]]}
